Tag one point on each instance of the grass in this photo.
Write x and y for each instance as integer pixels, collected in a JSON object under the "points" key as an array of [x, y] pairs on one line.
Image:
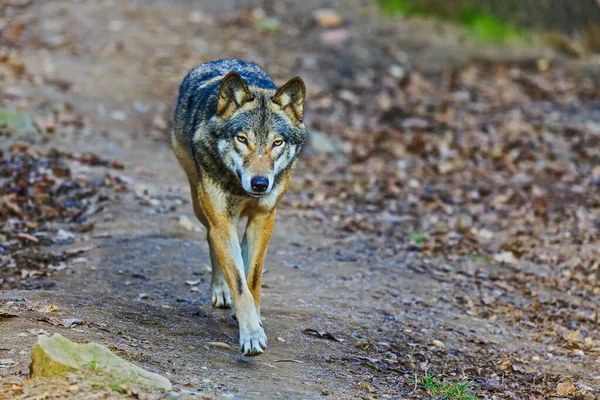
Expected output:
{"points": [[93, 365], [482, 26], [416, 237], [118, 387], [15, 121], [451, 391]]}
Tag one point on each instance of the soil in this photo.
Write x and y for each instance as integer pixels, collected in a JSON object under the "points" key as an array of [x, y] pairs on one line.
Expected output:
{"points": [[140, 282]]}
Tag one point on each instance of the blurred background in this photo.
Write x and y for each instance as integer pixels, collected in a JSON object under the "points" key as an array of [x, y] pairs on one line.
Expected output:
{"points": [[444, 216]]}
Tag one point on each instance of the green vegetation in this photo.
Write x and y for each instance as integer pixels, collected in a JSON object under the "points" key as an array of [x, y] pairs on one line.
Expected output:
{"points": [[416, 237], [119, 387], [15, 121], [93, 365], [449, 391], [482, 26]]}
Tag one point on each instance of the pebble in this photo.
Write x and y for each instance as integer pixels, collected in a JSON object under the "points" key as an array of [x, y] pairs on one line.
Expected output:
{"points": [[186, 224], [397, 71], [118, 115], [73, 388], [335, 36], [327, 18]]}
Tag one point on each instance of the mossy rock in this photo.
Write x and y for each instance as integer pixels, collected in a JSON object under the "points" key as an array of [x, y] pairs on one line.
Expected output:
{"points": [[15, 121], [56, 354]]}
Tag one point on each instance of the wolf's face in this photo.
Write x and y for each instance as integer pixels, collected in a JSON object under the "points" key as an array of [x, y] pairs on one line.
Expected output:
{"points": [[259, 132]]}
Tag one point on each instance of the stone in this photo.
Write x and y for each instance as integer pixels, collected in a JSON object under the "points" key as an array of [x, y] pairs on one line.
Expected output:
{"points": [[16, 121], [53, 355], [327, 18], [186, 224]]}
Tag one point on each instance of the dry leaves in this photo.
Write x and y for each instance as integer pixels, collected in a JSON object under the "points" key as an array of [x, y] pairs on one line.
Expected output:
{"points": [[37, 191], [565, 388], [321, 334]]}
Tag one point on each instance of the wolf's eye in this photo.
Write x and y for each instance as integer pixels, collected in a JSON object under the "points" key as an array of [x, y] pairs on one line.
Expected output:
{"points": [[241, 139], [278, 142]]}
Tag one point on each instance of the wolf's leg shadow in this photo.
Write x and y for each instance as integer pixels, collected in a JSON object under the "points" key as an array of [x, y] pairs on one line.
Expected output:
{"points": [[254, 248]]}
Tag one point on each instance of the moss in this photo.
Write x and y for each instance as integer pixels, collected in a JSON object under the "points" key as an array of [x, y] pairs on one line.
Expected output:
{"points": [[482, 26], [54, 355], [44, 365]]}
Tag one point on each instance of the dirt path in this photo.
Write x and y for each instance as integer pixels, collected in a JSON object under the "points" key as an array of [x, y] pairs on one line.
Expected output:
{"points": [[398, 313]]}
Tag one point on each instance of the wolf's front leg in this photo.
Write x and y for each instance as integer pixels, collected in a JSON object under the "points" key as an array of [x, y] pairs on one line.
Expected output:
{"points": [[228, 254], [220, 293], [254, 248]]}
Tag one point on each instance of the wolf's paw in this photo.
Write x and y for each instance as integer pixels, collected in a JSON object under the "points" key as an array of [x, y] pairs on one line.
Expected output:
{"points": [[253, 342], [221, 296]]}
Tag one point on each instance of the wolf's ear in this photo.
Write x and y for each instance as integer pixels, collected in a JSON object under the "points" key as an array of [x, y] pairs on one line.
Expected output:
{"points": [[291, 98], [233, 93]]}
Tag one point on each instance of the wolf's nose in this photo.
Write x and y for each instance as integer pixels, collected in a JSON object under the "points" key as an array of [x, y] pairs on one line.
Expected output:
{"points": [[259, 183]]}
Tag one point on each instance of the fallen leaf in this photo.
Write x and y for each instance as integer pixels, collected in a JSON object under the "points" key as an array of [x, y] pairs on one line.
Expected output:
{"points": [[321, 334], [48, 309], [366, 387], [27, 236], [64, 322], [565, 388], [221, 345], [70, 322], [7, 314], [6, 362]]}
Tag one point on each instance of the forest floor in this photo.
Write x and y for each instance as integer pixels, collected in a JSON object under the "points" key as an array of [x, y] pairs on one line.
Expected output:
{"points": [[443, 221]]}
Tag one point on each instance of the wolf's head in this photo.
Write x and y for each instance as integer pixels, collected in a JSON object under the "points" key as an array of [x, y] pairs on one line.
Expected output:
{"points": [[260, 131]]}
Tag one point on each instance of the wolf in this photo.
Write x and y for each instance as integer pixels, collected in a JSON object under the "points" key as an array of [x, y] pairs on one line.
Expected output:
{"points": [[237, 136]]}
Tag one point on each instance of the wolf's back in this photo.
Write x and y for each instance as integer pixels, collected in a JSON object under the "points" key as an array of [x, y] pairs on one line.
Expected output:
{"points": [[199, 92]]}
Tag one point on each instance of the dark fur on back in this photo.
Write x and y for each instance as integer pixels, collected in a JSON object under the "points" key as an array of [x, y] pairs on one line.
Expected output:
{"points": [[197, 126], [202, 101]]}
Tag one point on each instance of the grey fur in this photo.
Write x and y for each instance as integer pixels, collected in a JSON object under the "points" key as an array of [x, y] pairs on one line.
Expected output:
{"points": [[211, 139]]}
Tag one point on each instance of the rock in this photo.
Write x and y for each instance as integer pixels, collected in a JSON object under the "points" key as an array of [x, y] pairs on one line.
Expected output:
{"points": [[327, 18], [160, 123], [186, 224], [196, 17], [15, 121], [54, 355], [505, 257], [335, 37], [118, 115], [397, 72], [268, 24]]}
